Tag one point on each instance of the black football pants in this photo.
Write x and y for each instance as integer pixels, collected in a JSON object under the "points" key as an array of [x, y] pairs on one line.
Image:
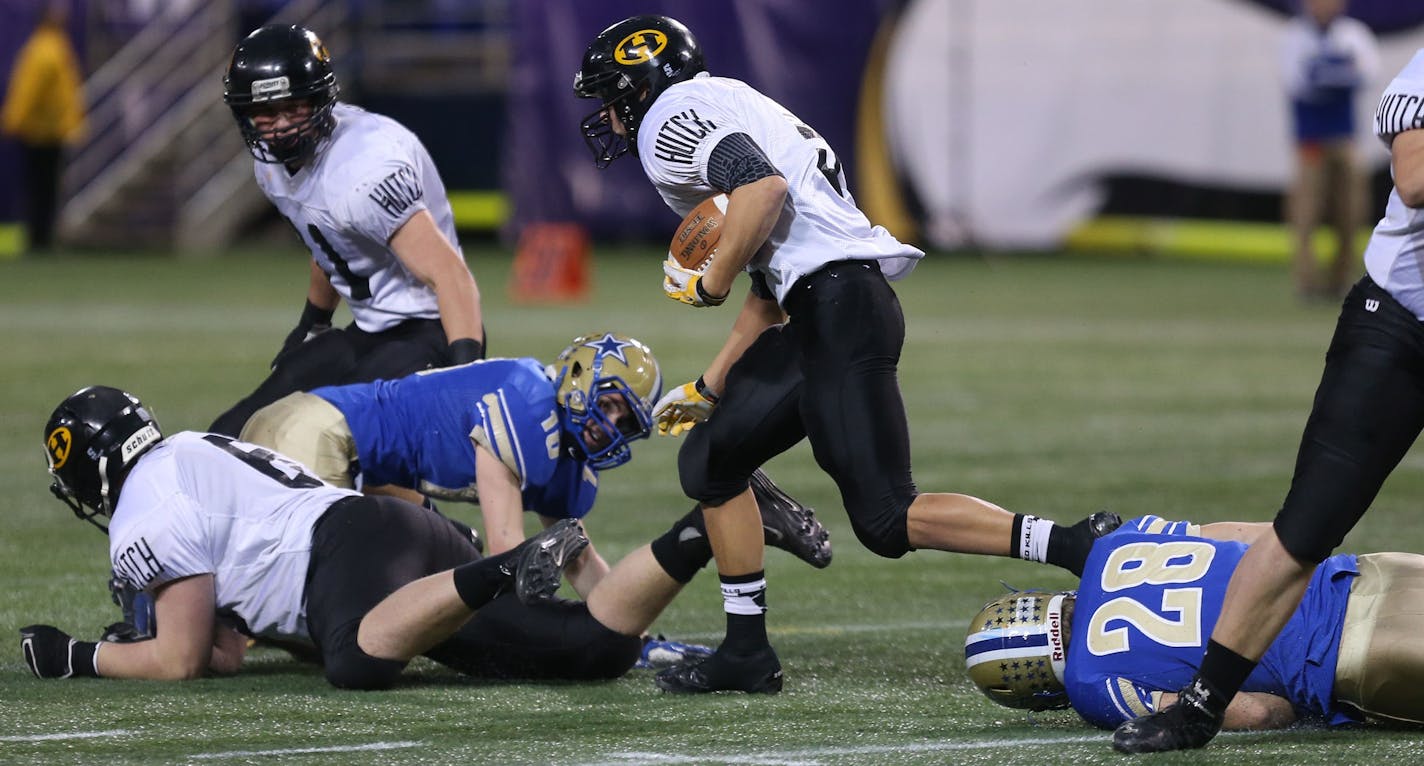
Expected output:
{"points": [[365, 548], [1368, 410], [828, 374]]}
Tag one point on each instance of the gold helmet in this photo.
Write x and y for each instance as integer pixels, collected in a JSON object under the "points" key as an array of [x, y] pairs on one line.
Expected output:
{"points": [[599, 365], [1017, 649]]}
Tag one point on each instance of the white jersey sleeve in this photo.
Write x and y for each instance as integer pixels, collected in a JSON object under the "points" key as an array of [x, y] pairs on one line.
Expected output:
{"points": [[366, 182], [821, 223], [1401, 107], [208, 504]]}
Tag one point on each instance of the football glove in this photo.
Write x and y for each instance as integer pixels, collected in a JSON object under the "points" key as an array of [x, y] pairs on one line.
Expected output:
{"points": [[52, 653], [684, 407], [315, 321], [685, 286]]}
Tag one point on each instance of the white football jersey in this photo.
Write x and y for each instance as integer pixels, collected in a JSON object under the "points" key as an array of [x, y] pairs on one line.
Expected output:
{"points": [[1393, 256], [821, 222], [364, 183], [207, 504]]}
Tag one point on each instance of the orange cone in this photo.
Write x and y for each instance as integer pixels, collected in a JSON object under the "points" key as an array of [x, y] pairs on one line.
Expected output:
{"points": [[551, 264]]}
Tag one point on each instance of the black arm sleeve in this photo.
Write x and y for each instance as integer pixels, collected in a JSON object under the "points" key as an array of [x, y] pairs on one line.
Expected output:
{"points": [[735, 161]]}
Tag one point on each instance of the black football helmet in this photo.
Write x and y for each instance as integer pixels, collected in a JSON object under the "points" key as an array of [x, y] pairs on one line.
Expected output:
{"points": [[276, 63], [92, 441], [626, 68]]}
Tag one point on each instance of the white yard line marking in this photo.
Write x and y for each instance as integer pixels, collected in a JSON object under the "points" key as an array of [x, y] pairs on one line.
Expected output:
{"points": [[64, 735], [307, 750], [811, 756]]}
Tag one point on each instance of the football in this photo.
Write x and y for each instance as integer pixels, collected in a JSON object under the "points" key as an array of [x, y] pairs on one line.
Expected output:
{"points": [[696, 240]]}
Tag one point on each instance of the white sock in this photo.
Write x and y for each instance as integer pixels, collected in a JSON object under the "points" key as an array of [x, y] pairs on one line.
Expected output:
{"points": [[744, 597], [1033, 539]]}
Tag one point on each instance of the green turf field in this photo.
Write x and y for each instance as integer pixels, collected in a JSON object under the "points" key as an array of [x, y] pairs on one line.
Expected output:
{"points": [[1052, 386]]}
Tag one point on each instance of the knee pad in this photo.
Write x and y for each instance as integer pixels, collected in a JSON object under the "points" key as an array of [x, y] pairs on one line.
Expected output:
{"points": [[1306, 542], [883, 530], [693, 470], [609, 654], [355, 669]]}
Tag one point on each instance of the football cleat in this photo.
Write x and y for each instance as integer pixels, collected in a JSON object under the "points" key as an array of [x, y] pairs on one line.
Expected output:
{"points": [[659, 652], [1189, 723], [789, 525], [537, 564], [758, 673]]}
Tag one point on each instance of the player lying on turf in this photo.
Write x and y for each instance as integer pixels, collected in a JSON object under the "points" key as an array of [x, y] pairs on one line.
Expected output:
{"points": [[1124, 643], [509, 434], [233, 540]]}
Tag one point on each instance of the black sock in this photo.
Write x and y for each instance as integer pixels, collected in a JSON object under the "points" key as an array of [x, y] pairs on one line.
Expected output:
{"points": [[1224, 671], [744, 599], [1016, 541], [480, 581], [684, 548]]}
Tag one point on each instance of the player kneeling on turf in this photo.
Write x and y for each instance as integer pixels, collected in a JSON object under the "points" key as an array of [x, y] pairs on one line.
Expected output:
{"points": [[233, 540]]}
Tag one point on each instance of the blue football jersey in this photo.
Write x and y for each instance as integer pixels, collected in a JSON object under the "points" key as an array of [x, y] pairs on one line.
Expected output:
{"points": [[421, 431], [1150, 595]]}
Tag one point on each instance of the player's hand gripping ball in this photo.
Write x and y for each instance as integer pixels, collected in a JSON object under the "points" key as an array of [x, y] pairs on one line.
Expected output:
{"points": [[691, 251], [695, 242]]}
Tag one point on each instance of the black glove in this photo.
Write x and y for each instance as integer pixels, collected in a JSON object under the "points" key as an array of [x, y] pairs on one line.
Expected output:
{"points": [[52, 653], [123, 633], [315, 321], [463, 351]]}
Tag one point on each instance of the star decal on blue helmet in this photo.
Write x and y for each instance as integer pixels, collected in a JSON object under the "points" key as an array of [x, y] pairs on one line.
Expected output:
{"points": [[610, 345]]}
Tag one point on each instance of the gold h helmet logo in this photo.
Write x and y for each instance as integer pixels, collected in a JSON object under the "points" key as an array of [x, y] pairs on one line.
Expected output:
{"points": [[639, 47], [58, 444], [318, 49]]}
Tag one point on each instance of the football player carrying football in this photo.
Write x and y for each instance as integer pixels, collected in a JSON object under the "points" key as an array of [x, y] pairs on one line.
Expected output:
{"points": [[828, 373], [1130, 636], [232, 541], [365, 198], [1367, 413]]}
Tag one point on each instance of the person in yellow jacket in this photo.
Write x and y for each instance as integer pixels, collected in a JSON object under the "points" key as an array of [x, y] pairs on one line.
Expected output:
{"points": [[44, 110]]}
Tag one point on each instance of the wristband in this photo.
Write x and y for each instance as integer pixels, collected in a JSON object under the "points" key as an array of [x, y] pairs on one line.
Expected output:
{"points": [[704, 391], [464, 350], [707, 298], [313, 315], [84, 659]]}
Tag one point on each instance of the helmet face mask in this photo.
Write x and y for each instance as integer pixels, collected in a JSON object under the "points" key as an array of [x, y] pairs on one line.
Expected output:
{"points": [[92, 440], [587, 376], [286, 69], [604, 141], [1017, 649], [626, 67]]}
